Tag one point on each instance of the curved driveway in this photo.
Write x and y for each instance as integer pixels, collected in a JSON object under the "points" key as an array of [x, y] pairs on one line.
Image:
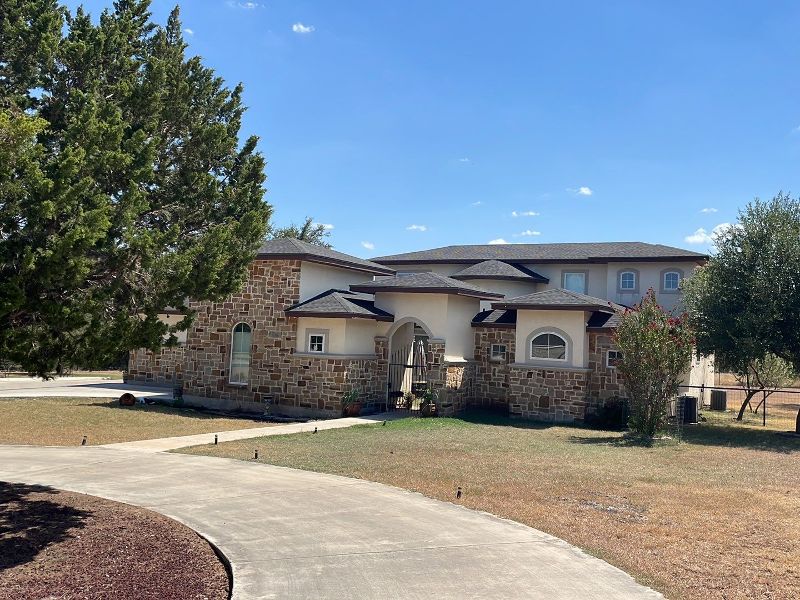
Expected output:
{"points": [[296, 534]]}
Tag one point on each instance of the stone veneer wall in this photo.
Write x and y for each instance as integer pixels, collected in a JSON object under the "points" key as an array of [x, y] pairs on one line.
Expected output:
{"points": [[295, 383], [605, 382], [492, 377], [541, 393], [160, 368]]}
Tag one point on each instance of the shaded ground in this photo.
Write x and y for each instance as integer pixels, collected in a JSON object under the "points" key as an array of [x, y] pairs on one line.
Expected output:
{"points": [[713, 517], [56, 544], [64, 421]]}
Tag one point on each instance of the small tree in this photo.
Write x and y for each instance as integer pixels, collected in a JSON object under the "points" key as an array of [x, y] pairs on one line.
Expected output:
{"points": [[766, 375], [656, 351], [313, 233]]}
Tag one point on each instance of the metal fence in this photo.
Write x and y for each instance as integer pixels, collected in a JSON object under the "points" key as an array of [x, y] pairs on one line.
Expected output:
{"points": [[770, 409]]}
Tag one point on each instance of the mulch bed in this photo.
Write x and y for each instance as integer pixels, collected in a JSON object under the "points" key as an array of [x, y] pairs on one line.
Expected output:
{"points": [[62, 545]]}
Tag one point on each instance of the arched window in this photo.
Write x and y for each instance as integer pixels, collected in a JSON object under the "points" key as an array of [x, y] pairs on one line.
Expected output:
{"points": [[672, 281], [627, 281], [240, 353], [549, 346]]}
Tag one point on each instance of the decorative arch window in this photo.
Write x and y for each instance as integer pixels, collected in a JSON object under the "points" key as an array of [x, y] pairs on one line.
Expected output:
{"points": [[240, 353], [627, 281], [549, 346], [672, 281]]}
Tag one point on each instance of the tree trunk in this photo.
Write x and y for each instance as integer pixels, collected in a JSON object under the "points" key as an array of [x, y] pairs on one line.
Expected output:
{"points": [[747, 399]]}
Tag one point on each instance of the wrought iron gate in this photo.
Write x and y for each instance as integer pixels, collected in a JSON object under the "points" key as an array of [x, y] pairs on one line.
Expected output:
{"points": [[408, 376]]}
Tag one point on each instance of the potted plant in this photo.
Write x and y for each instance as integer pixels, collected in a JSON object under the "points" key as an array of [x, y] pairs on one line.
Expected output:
{"points": [[408, 400], [427, 404], [351, 403]]}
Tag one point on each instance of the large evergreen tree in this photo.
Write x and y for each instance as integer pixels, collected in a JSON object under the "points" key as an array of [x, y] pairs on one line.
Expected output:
{"points": [[123, 186]]}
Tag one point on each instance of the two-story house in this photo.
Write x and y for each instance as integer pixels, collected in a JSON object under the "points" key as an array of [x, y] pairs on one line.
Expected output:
{"points": [[526, 327]]}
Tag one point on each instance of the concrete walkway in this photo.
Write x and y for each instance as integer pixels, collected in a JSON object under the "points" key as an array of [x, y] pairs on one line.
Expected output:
{"points": [[75, 387], [184, 441], [296, 534]]}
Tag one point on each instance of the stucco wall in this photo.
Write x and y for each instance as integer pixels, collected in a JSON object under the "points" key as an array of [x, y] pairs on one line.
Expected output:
{"points": [[649, 276], [428, 309], [316, 278], [335, 329], [571, 322], [460, 341]]}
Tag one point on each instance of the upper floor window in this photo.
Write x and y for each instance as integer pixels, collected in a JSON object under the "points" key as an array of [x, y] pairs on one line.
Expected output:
{"points": [[549, 346], [240, 353], [497, 352], [672, 281], [627, 281], [574, 281]]}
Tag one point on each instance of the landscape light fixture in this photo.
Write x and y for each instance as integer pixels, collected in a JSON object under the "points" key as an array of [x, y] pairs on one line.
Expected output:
{"points": [[83, 442]]}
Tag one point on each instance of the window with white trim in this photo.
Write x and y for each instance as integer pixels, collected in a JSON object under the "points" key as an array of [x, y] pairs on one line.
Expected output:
{"points": [[240, 354], [627, 281], [575, 282], [672, 281], [316, 342], [612, 358], [548, 346], [497, 352]]}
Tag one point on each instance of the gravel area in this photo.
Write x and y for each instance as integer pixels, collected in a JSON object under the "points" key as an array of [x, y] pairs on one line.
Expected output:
{"points": [[62, 545]]}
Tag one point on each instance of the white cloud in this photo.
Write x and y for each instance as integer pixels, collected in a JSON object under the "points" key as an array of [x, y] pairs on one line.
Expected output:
{"points": [[417, 228], [584, 191], [188, 31], [528, 233], [326, 226], [708, 210], [368, 245], [300, 28], [701, 236], [497, 241], [244, 5], [464, 160], [524, 213], [477, 203]]}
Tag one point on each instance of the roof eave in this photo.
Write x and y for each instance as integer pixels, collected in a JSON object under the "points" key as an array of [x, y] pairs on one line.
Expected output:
{"points": [[425, 290], [581, 307], [566, 261], [326, 261], [503, 278], [339, 315]]}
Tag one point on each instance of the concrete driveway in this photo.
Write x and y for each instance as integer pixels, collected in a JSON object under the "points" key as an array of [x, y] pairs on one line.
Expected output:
{"points": [[296, 534], [75, 387]]}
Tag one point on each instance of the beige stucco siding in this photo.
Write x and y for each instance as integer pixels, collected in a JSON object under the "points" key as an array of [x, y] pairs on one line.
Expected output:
{"points": [[430, 310], [649, 275], [570, 322], [348, 337], [316, 278], [171, 320], [460, 340], [596, 280]]}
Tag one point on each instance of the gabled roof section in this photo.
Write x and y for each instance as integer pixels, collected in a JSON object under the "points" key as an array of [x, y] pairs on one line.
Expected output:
{"points": [[600, 321], [340, 304], [504, 319], [558, 299], [497, 269], [599, 252], [425, 283], [288, 248]]}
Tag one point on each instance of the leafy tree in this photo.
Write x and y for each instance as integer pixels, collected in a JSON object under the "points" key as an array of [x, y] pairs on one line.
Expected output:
{"points": [[313, 233], [128, 191], [744, 304], [656, 353], [767, 376]]}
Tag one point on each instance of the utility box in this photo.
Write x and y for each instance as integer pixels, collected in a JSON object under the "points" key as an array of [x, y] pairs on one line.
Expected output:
{"points": [[689, 406], [719, 400]]}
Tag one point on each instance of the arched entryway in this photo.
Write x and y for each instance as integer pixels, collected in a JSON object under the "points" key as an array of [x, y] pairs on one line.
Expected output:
{"points": [[409, 340]]}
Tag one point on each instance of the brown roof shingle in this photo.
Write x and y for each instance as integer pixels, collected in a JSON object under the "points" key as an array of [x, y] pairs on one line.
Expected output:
{"points": [[497, 269], [430, 283], [279, 248], [341, 304]]}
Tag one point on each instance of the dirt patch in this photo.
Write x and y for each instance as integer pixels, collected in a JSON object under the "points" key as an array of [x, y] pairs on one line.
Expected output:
{"points": [[64, 545]]}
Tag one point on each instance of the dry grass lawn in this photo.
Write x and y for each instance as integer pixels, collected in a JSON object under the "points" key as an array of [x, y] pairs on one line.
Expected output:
{"points": [[717, 516], [64, 421]]}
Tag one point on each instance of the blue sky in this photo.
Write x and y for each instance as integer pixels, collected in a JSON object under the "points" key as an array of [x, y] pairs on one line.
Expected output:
{"points": [[589, 121]]}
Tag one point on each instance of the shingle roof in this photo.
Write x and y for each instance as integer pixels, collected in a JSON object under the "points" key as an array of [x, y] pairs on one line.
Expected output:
{"points": [[296, 249], [558, 299], [497, 269], [495, 318], [543, 253], [342, 304], [430, 283], [603, 320]]}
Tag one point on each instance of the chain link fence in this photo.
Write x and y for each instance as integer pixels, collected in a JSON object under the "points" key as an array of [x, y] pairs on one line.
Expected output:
{"points": [[775, 410]]}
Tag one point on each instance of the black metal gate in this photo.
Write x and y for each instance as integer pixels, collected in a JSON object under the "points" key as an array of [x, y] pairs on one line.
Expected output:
{"points": [[408, 376]]}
